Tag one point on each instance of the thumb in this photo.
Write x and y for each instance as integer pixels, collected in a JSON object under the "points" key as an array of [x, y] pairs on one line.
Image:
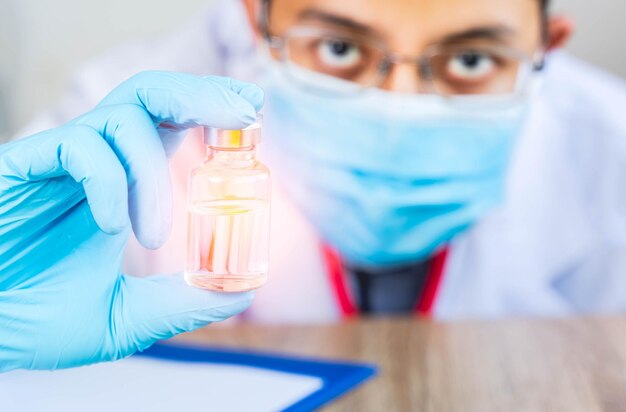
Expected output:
{"points": [[162, 306]]}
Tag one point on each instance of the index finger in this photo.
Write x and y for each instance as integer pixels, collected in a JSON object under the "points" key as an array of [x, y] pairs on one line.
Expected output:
{"points": [[185, 100]]}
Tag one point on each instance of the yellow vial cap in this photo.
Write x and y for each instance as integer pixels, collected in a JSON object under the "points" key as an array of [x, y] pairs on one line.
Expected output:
{"points": [[234, 139]]}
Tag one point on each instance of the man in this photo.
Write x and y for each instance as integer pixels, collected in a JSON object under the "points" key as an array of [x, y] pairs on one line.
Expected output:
{"points": [[436, 156]]}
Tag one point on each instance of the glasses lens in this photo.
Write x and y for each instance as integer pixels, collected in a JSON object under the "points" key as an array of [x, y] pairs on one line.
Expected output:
{"points": [[337, 55], [470, 70]]}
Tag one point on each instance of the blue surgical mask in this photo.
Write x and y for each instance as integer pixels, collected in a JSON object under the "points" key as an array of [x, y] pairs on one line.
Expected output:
{"points": [[387, 178]]}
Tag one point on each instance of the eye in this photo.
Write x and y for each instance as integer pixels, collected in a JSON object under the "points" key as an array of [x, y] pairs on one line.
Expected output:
{"points": [[470, 65], [338, 53]]}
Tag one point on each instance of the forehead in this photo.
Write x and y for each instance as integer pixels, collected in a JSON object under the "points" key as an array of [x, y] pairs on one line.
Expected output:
{"points": [[411, 24]]}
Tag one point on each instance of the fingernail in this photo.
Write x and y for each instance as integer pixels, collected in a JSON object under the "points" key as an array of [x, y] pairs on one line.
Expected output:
{"points": [[115, 227]]}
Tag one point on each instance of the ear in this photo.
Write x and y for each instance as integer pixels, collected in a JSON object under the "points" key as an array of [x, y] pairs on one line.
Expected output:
{"points": [[253, 10], [560, 30]]}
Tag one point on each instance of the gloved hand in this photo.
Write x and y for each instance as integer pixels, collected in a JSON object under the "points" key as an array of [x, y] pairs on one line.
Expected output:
{"points": [[66, 196]]}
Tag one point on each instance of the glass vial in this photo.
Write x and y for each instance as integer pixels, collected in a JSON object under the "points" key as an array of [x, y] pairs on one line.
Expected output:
{"points": [[229, 213]]}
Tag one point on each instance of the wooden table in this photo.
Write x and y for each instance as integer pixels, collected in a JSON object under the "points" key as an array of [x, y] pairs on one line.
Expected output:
{"points": [[510, 365]]}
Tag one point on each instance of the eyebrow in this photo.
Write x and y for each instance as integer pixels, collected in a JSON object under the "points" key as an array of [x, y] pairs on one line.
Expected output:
{"points": [[495, 32], [345, 22], [499, 33]]}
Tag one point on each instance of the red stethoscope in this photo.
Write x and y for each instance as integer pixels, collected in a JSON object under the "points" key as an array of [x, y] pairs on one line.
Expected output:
{"points": [[425, 304]]}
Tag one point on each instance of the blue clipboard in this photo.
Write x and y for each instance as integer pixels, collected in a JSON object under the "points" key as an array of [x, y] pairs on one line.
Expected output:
{"points": [[338, 377]]}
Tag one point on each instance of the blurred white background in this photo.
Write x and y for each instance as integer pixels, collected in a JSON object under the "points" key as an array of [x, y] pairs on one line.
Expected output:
{"points": [[42, 42]]}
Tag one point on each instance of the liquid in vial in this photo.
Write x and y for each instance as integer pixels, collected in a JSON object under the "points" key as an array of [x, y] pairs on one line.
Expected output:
{"points": [[228, 245]]}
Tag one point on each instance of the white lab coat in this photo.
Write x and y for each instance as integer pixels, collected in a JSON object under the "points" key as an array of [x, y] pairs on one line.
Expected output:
{"points": [[557, 245]]}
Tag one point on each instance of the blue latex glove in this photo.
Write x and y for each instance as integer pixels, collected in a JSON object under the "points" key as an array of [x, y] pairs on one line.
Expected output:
{"points": [[66, 196]]}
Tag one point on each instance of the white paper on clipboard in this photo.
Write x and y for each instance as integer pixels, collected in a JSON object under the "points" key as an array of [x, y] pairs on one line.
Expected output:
{"points": [[155, 385]]}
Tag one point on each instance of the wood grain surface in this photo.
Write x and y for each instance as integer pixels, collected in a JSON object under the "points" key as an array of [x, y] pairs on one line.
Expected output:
{"points": [[508, 365]]}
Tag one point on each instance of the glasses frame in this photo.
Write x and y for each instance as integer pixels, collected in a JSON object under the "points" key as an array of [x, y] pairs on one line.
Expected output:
{"points": [[528, 65]]}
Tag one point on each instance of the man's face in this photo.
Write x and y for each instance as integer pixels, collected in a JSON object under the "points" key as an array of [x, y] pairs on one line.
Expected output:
{"points": [[412, 27]]}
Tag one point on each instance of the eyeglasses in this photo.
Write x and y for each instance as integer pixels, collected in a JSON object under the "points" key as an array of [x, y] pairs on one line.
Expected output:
{"points": [[472, 67]]}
